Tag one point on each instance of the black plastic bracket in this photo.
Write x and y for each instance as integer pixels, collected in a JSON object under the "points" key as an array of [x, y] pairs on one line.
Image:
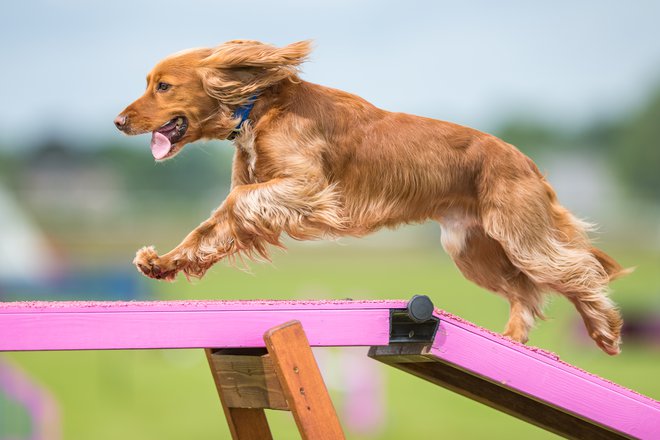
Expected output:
{"points": [[415, 323]]}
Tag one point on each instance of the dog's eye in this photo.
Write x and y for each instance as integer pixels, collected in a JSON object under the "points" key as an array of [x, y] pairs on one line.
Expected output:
{"points": [[162, 87]]}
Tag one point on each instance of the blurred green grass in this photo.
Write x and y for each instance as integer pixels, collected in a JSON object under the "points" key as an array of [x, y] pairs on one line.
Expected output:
{"points": [[170, 394]]}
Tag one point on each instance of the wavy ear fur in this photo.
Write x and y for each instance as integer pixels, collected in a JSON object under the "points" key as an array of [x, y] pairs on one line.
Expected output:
{"points": [[238, 69]]}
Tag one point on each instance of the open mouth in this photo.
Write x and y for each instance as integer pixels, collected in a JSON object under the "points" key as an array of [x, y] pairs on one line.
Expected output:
{"points": [[163, 139]]}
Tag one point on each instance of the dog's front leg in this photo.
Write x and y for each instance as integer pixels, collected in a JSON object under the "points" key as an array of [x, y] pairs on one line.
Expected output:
{"points": [[251, 217]]}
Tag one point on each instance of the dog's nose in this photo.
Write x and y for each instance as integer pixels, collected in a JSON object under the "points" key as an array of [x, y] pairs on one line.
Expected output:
{"points": [[120, 122]]}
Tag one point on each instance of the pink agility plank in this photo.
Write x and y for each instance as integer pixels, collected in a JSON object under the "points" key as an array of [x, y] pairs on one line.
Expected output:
{"points": [[234, 324], [543, 376], [187, 324]]}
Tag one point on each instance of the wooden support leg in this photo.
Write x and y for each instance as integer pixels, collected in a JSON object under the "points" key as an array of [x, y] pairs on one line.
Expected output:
{"points": [[286, 378], [302, 383], [244, 423]]}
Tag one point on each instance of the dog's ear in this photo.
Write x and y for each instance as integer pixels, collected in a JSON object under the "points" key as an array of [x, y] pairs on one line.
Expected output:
{"points": [[238, 69], [247, 53]]}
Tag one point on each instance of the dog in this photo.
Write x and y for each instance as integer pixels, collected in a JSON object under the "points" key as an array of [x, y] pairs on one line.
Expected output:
{"points": [[315, 162]]}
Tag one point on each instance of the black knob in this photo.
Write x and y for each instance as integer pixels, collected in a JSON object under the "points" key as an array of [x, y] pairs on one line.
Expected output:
{"points": [[420, 308]]}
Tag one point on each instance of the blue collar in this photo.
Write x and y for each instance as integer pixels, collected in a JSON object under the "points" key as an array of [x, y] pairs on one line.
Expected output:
{"points": [[243, 112]]}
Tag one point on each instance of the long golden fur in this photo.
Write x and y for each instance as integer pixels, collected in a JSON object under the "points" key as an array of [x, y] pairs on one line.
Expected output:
{"points": [[314, 162]]}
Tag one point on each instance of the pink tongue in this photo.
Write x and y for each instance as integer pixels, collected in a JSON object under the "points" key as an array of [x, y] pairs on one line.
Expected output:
{"points": [[160, 145]]}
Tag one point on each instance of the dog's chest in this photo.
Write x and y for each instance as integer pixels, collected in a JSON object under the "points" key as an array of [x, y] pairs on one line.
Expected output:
{"points": [[247, 145]]}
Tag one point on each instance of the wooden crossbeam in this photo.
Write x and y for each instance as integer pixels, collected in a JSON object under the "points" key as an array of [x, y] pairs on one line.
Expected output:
{"points": [[247, 380], [244, 423]]}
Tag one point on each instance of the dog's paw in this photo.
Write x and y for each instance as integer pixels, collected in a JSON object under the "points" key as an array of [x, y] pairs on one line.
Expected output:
{"points": [[520, 337], [150, 264]]}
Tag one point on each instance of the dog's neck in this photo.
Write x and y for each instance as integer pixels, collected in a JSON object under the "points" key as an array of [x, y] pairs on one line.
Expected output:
{"points": [[273, 97], [243, 113]]}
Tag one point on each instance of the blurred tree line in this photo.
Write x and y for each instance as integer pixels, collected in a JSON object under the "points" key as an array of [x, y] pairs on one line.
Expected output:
{"points": [[193, 173], [630, 144]]}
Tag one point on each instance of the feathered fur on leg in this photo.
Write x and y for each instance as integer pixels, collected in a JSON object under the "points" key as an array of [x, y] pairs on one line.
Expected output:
{"points": [[252, 217]]}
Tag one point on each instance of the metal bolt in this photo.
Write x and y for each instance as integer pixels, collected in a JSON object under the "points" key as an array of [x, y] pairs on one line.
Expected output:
{"points": [[411, 334]]}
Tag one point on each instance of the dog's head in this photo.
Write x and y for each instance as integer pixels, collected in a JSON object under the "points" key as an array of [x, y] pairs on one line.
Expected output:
{"points": [[193, 94]]}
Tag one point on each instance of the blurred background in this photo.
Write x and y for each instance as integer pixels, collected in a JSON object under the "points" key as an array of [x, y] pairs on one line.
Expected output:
{"points": [[576, 86]]}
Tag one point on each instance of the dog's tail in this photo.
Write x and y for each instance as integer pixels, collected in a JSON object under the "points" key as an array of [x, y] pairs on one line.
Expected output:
{"points": [[614, 270]]}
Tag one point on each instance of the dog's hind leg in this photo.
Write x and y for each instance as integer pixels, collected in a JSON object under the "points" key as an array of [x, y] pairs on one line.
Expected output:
{"points": [[483, 261], [550, 246]]}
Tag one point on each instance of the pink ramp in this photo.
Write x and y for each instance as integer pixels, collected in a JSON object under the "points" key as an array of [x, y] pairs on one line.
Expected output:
{"points": [[525, 382]]}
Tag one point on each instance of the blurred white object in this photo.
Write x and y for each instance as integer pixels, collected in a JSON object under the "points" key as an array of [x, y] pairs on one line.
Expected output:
{"points": [[24, 252]]}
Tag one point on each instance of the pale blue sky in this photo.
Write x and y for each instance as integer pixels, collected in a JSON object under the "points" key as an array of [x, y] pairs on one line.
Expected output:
{"points": [[70, 65]]}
